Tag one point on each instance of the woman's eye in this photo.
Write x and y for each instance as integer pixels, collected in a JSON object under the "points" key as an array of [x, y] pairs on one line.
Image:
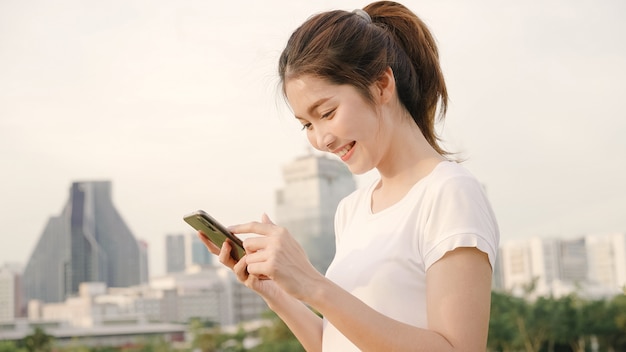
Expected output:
{"points": [[328, 114], [306, 126]]}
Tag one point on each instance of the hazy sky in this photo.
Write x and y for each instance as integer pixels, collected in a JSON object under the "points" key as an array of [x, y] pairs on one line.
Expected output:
{"points": [[176, 103]]}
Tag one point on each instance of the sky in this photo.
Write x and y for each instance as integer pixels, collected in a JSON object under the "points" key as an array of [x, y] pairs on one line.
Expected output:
{"points": [[177, 103]]}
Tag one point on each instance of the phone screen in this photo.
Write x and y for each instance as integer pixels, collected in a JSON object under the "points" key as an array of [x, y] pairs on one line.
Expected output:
{"points": [[215, 232]]}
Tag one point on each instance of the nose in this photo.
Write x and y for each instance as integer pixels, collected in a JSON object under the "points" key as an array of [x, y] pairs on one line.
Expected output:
{"points": [[324, 139]]}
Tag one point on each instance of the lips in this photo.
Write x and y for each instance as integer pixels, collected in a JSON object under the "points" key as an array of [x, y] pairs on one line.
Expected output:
{"points": [[343, 152]]}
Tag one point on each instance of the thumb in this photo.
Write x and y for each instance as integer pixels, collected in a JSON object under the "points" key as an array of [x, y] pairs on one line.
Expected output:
{"points": [[266, 219]]}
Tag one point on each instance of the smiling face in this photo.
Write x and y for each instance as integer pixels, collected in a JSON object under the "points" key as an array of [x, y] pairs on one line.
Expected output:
{"points": [[337, 119]]}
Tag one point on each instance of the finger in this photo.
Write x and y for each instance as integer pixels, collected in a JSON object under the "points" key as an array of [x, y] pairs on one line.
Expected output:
{"points": [[208, 244], [260, 270], [225, 257], [265, 219], [241, 269], [256, 250], [254, 244], [258, 228]]}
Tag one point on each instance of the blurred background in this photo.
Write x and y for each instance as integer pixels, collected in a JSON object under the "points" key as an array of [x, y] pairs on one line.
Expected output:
{"points": [[177, 104]]}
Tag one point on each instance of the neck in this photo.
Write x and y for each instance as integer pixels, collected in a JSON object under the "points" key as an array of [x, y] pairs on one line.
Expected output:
{"points": [[409, 157], [407, 161]]}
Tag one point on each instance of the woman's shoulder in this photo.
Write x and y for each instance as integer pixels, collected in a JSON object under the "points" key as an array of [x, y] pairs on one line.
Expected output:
{"points": [[450, 180], [450, 172], [450, 169]]}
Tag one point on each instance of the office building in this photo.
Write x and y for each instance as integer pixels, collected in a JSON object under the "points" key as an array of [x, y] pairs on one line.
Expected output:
{"points": [[10, 291], [88, 242], [144, 267], [196, 252], [174, 253], [211, 294], [606, 255], [573, 256], [592, 265], [306, 205]]}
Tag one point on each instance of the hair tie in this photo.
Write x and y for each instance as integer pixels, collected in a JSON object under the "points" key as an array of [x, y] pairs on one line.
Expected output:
{"points": [[363, 15]]}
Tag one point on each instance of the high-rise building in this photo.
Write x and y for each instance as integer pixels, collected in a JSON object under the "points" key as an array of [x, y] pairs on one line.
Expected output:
{"points": [[10, 284], [196, 252], [606, 256], [573, 257], [174, 253], [306, 205], [541, 266], [144, 267], [594, 265], [88, 242]]}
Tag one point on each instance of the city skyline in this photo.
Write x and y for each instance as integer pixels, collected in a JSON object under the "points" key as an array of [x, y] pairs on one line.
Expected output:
{"points": [[178, 105]]}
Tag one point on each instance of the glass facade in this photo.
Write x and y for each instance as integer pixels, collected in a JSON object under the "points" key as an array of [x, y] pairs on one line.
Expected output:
{"points": [[88, 242], [175, 253]]}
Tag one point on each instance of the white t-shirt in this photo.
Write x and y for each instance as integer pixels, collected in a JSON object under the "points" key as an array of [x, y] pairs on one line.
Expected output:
{"points": [[382, 258]]}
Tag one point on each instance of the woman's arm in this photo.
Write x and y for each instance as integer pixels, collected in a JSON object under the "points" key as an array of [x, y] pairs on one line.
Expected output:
{"points": [[458, 301], [458, 295]]}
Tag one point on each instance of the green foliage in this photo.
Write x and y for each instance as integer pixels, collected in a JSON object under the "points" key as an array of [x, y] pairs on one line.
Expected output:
{"points": [[277, 337], [567, 323], [503, 328], [279, 346], [38, 341], [10, 346]]}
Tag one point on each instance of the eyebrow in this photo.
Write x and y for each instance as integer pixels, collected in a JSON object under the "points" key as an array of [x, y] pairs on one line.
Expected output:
{"points": [[314, 106]]}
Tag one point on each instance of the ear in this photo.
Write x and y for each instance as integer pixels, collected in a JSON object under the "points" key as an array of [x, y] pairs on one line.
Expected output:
{"points": [[385, 87]]}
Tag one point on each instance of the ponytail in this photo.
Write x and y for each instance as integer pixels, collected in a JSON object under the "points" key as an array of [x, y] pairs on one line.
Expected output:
{"points": [[420, 82]]}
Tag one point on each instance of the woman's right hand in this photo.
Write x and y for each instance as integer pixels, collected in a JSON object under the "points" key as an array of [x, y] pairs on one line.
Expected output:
{"points": [[264, 287]]}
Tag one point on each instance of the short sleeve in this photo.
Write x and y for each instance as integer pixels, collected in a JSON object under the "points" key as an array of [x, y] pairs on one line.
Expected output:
{"points": [[460, 216]]}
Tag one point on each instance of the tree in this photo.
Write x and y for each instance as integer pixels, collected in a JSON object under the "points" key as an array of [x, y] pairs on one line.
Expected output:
{"points": [[277, 337], [10, 346], [232, 342], [617, 332], [503, 330], [38, 341], [567, 325], [203, 340]]}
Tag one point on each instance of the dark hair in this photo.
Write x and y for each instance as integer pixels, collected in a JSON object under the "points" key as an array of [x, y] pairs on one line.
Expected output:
{"points": [[349, 48]]}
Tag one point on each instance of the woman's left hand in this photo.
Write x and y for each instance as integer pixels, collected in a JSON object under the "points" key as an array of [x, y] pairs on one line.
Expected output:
{"points": [[276, 255]]}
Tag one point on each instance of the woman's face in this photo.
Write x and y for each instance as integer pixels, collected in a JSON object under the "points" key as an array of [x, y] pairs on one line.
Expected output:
{"points": [[338, 120]]}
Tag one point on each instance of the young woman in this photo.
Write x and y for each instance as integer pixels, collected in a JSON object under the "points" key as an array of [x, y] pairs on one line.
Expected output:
{"points": [[416, 248]]}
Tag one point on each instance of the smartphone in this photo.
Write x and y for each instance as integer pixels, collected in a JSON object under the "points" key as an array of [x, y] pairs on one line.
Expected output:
{"points": [[215, 232]]}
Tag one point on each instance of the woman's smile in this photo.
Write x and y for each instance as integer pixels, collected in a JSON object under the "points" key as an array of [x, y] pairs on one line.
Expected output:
{"points": [[345, 152]]}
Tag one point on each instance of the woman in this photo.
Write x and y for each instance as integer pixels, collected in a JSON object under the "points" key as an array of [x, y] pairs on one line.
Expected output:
{"points": [[416, 248]]}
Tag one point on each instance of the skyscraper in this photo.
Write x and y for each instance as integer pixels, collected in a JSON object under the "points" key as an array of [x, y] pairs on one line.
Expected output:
{"points": [[10, 305], [196, 252], [144, 267], [174, 253], [89, 241], [306, 205]]}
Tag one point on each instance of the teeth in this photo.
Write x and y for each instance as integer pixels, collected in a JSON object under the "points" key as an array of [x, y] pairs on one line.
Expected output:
{"points": [[345, 150]]}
